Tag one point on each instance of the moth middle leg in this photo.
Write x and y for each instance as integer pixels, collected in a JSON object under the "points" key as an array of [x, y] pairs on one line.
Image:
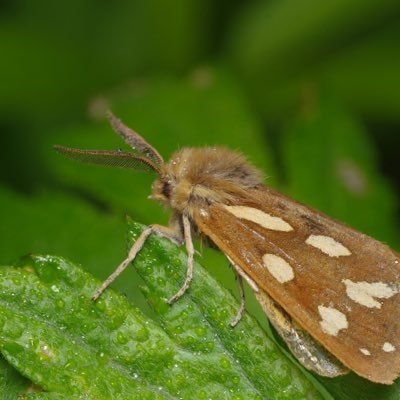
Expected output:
{"points": [[190, 254]]}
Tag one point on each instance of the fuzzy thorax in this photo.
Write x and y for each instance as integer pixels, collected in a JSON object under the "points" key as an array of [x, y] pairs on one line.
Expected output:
{"points": [[195, 176]]}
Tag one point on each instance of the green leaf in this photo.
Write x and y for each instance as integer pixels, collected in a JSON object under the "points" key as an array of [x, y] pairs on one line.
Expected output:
{"points": [[54, 334], [366, 76], [48, 396], [12, 383], [269, 38], [351, 387], [60, 43], [280, 47]]}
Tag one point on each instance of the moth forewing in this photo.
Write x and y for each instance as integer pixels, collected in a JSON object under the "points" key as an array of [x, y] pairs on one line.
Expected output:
{"points": [[339, 285]]}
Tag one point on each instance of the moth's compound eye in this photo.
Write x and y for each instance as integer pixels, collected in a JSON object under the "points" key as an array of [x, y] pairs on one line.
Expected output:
{"points": [[166, 190]]}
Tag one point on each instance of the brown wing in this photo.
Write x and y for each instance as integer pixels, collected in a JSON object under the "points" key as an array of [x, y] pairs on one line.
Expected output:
{"points": [[339, 284]]}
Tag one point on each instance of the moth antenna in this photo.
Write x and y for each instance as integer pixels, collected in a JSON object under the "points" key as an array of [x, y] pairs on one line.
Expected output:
{"points": [[121, 159], [134, 140]]}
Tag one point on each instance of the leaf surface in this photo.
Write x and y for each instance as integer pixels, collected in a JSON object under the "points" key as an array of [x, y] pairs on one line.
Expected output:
{"points": [[54, 334]]}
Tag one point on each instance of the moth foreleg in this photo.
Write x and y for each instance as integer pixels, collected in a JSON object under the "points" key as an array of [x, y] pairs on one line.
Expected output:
{"points": [[241, 310], [190, 253], [162, 231]]}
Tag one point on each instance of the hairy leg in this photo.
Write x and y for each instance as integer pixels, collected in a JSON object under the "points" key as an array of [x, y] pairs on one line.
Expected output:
{"points": [[137, 246]]}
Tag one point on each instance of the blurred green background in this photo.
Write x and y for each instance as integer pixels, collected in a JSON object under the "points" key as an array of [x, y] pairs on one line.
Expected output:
{"points": [[309, 90]]}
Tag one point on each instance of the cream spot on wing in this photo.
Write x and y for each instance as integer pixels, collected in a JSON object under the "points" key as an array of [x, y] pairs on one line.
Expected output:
{"points": [[366, 352], [328, 245], [278, 268], [388, 347], [260, 217], [364, 293], [332, 320]]}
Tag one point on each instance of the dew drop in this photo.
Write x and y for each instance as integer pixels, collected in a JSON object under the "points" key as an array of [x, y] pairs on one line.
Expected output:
{"points": [[178, 329], [122, 338], [32, 343], [258, 340], [116, 321], [200, 331], [100, 304], [16, 280], [139, 347], [45, 352], [161, 282], [184, 315], [60, 304], [213, 312], [55, 289], [202, 394], [210, 346], [224, 362], [236, 380], [142, 335], [176, 262]]}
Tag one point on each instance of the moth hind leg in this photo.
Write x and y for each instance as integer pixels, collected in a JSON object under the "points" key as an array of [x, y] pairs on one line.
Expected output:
{"points": [[240, 275], [242, 306]]}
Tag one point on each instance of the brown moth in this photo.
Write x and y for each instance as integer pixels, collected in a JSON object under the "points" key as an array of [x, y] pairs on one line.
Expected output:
{"points": [[331, 292]]}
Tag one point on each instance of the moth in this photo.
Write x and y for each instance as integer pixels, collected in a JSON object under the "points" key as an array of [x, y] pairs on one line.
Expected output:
{"points": [[331, 292]]}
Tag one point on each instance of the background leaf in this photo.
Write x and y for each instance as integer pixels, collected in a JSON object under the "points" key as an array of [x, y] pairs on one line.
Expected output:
{"points": [[12, 383], [278, 47]]}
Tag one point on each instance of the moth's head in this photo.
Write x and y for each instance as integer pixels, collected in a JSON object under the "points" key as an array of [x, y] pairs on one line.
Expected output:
{"points": [[195, 176], [173, 187], [162, 190]]}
